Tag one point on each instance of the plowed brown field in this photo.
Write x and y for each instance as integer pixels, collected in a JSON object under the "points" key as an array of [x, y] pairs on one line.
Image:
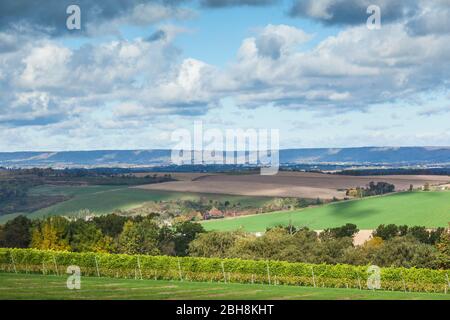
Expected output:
{"points": [[289, 184]]}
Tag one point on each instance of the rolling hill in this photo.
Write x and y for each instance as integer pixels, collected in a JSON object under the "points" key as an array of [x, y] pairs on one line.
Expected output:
{"points": [[429, 209], [160, 157]]}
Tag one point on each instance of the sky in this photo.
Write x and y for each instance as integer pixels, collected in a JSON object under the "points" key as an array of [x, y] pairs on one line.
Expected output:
{"points": [[138, 70]]}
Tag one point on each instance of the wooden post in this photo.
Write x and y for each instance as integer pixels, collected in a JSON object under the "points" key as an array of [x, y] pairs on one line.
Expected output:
{"points": [[179, 270], [313, 277], [448, 281], [43, 268], [139, 267], [56, 265], [223, 271], [96, 266], [359, 283], [13, 262], [403, 280], [268, 272]]}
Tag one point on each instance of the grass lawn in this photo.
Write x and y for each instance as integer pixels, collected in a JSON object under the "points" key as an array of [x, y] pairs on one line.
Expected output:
{"points": [[106, 199], [26, 286], [430, 209]]}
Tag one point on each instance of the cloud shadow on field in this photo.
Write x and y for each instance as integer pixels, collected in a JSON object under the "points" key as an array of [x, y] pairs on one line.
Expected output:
{"points": [[349, 210]]}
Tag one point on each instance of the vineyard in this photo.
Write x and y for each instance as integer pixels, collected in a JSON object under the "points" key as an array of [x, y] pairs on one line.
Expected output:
{"points": [[220, 270]]}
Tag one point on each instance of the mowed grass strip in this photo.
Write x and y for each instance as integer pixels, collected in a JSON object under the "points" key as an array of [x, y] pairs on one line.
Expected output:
{"points": [[429, 209], [32, 287]]}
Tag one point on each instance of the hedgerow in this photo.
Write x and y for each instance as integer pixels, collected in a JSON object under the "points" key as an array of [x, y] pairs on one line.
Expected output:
{"points": [[223, 270]]}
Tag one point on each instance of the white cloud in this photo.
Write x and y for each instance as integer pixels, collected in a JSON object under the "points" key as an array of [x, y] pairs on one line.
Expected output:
{"points": [[355, 69]]}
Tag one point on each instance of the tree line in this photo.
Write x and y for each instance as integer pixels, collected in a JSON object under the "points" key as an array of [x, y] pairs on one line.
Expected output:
{"points": [[391, 245]]}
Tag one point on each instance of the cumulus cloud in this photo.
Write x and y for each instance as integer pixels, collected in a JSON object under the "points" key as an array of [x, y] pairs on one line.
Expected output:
{"points": [[116, 85], [421, 17], [45, 82], [274, 41], [352, 12], [352, 70], [96, 16], [233, 3], [433, 18]]}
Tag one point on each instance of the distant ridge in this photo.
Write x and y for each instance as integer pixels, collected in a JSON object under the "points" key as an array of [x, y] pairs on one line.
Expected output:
{"points": [[159, 157]]}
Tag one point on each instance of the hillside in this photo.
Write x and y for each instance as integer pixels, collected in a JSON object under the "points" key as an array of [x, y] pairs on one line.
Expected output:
{"points": [[159, 157], [430, 209]]}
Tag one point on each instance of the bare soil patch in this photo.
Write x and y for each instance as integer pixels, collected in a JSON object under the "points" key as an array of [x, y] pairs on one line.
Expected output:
{"points": [[289, 184]]}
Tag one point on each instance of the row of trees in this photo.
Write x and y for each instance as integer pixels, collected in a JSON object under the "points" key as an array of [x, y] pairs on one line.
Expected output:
{"points": [[333, 246], [373, 189], [110, 233], [391, 245]]}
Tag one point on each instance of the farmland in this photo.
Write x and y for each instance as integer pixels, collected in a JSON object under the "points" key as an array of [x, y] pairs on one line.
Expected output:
{"points": [[215, 270], [32, 286], [106, 199], [430, 209], [289, 184]]}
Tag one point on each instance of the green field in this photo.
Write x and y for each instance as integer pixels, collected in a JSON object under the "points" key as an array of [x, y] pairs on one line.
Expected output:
{"points": [[106, 199], [429, 209], [27, 286]]}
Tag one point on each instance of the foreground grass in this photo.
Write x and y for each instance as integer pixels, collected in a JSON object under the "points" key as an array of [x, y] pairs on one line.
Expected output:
{"points": [[429, 209], [26, 286]]}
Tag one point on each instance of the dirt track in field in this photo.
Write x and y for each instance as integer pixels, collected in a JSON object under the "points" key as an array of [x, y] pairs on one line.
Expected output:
{"points": [[288, 184]]}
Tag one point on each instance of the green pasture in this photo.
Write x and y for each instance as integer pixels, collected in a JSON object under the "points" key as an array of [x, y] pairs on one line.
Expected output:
{"points": [[106, 199], [430, 209]]}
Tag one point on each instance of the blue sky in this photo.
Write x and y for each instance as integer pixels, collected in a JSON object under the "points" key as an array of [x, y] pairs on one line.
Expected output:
{"points": [[312, 69]]}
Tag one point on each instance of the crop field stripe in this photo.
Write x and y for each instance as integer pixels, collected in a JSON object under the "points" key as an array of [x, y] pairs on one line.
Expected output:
{"points": [[107, 199], [429, 209], [31, 286]]}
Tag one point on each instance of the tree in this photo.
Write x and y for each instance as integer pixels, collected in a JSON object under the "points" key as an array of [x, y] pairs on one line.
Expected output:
{"points": [[349, 230], [406, 252], [185, 232], [386, 232], [420, 233], [86, 237], [166, 241], [50, 234], [16, 233], [139, 237], [443, 247], [332, 251], [111, 225], [214, 244]]}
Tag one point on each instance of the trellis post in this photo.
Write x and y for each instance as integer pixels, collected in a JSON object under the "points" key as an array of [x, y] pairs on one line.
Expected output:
{"points": [[223, 271], [96, 266], [13, 262], [56, 265], [448, 281], [313, 277], [179, 270], [139, 267], [403, 280]]}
